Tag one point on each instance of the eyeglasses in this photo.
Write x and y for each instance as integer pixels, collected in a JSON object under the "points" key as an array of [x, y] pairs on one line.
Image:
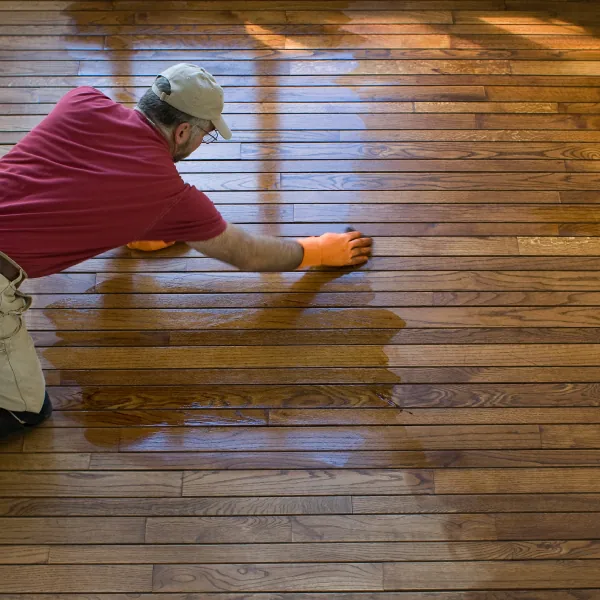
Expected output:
{"points": [[210, 137]]}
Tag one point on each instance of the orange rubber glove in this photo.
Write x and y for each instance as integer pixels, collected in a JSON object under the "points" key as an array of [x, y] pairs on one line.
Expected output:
{"points": [[335, 250], [149, 246]]}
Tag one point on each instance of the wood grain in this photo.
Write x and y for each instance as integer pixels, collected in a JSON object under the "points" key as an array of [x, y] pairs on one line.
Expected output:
{"points": [[84, 484], [338, 438], [75, 579], [325, 552], [505, 575], [276, 577], [499, 481]]}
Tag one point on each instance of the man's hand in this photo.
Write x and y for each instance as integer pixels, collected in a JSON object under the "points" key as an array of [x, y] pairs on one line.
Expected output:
{"points": [[336, 250]]}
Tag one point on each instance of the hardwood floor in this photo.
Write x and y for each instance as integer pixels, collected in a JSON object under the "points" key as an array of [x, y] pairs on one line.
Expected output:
{"points": [[425, 428]]}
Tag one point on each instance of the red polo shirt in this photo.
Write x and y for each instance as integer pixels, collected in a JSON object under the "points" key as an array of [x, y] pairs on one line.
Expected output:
{"points": [[94, 175]]}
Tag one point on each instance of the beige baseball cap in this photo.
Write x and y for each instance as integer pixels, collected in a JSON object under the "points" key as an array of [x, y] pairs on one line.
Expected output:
{"points": [[195, 92]]}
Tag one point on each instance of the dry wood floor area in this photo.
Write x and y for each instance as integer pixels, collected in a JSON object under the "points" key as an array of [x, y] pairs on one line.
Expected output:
{"points": [[425, 428]]}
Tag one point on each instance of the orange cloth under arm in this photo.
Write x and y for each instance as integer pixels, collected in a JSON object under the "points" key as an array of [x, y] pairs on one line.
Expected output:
{"points": [[149, 246]]}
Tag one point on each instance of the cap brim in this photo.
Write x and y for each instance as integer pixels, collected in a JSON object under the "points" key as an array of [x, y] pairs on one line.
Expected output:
{"points": [[222, 127]]}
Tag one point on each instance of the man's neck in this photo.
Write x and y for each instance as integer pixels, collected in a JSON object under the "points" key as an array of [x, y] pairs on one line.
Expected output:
{"points": [[157, 127]]}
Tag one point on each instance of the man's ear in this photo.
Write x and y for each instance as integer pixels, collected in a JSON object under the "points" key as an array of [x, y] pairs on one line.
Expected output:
{"points": [[182, 133]]}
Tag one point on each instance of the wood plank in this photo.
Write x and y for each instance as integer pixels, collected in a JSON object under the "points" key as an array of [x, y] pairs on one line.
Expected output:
{"points": [[540, 526], [222, 530], [297, 299], [481, 135], [140, 42], [508, 16], [433, 212], [177, 507], [345, 460], [580, 229], [579, 107], [315, 482], [539, 121], [294, 30], [397, 67], [274, 72], [304, 5], [12, 444], [393, 528], [554, 5], [542, 94], [444, 396], [575, 197], [302, 299], [338, 438], [559, 246], [524, 67], [324, 337], [104, 338], [325, 552], [61, 283], [24, 555], [298, 17], [66, 530], [6, 5], [586, 166], [275, 577], [80, 483], [72, 440], [459, 416], [43, 67], [422, 150], [501, 575], [450, 181], [204, 55], [528, 481], [474, 503], [23, 16], [44, 462], [570, 436], [75, 579], [241, 357], [345, 166], [415, 41], [50, 42], [522, 41], [357, 281], [160, 418], [315, 318], [323, 375]]}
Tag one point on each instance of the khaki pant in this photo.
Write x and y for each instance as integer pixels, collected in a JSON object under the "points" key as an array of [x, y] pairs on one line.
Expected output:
{"points": [[22, 385]]}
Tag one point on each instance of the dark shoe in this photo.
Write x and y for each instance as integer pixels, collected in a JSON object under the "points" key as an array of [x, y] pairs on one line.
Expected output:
{"points": [[15, 422]]}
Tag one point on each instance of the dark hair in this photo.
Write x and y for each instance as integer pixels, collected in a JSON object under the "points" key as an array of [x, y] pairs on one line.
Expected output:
{"points": [[164, 114]]}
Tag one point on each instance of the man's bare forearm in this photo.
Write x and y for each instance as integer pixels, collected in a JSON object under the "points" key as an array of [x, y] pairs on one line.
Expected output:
{"points": [[249, 252]]}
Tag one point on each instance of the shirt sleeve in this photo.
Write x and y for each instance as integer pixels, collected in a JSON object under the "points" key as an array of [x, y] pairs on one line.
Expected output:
{"points": [[194, 218]]}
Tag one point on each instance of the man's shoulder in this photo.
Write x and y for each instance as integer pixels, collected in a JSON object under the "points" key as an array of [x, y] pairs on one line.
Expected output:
{"points": [[85, 92]]}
